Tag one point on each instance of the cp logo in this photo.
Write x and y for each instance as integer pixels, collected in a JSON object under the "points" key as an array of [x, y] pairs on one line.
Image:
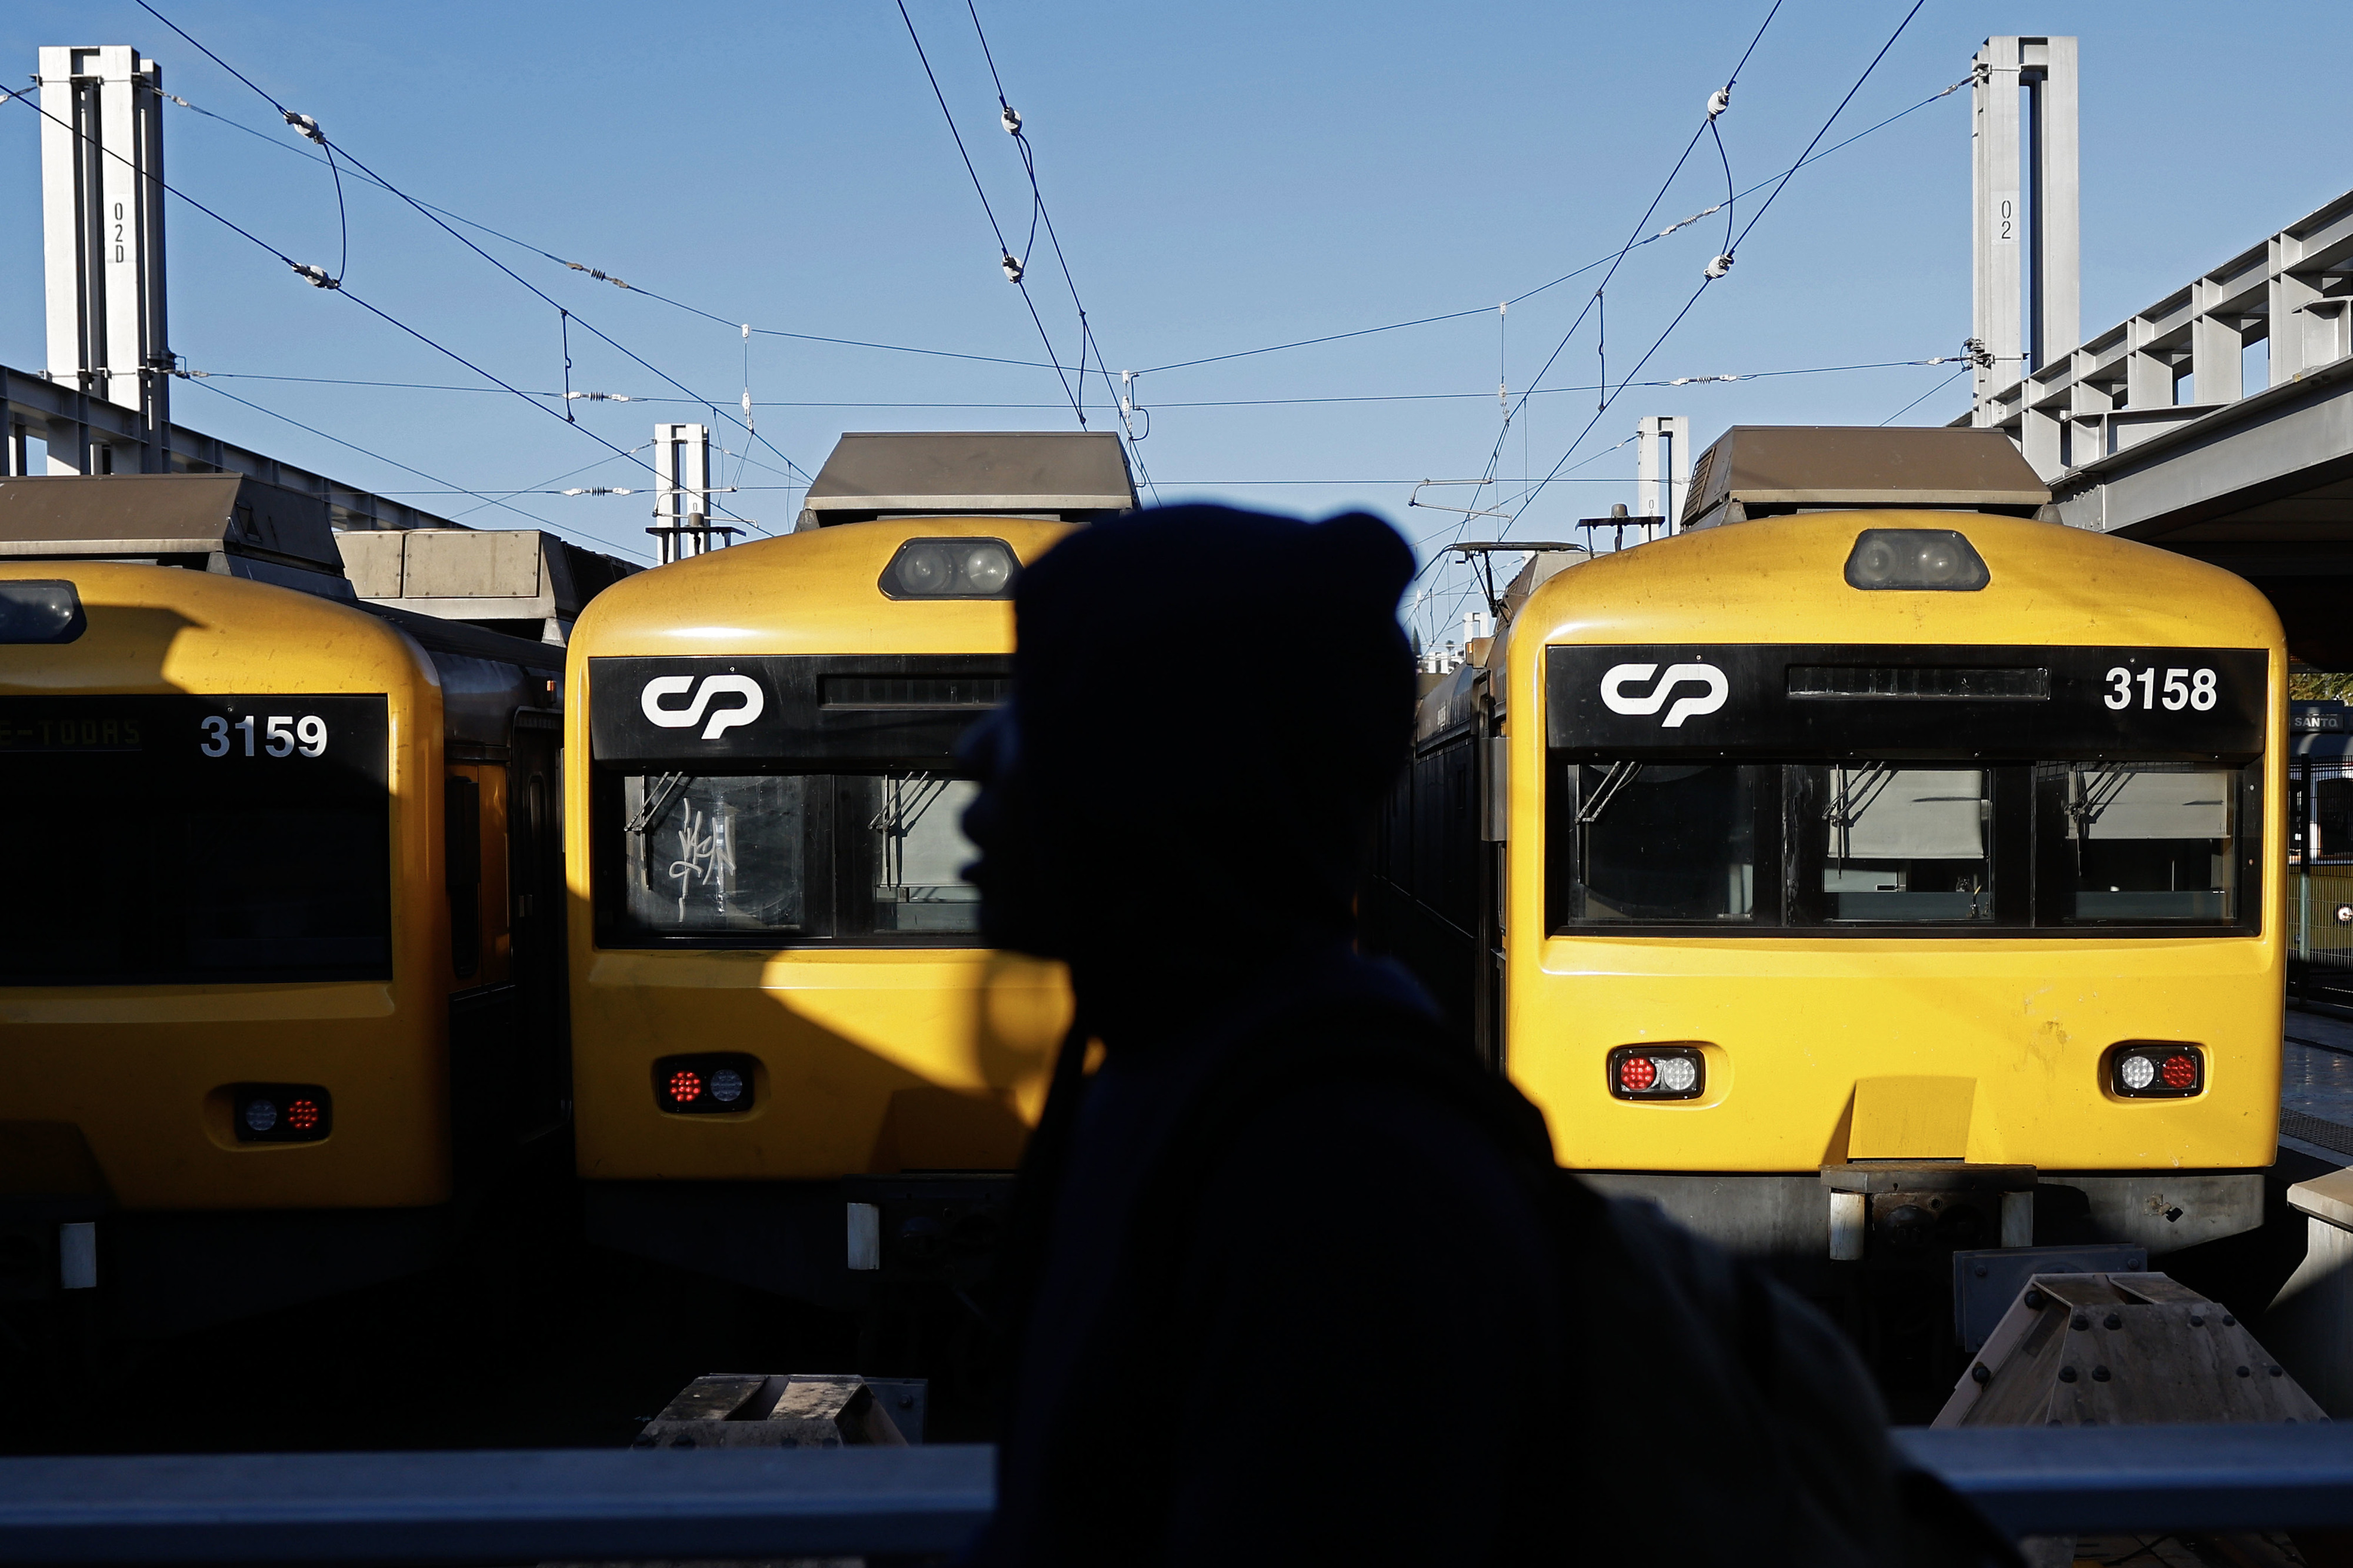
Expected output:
{"points": [[688, 716], [1614, 696]]}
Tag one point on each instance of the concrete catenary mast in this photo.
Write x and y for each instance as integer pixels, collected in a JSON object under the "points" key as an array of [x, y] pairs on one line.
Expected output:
{"points": [[2024, 233], [102, 244]]}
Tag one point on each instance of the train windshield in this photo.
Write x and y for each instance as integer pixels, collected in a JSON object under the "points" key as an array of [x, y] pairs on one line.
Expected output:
{"points": [[2082, 845], [1666, 842], [1900, 843], [2143, 841], [192, 839], [783, 858]]}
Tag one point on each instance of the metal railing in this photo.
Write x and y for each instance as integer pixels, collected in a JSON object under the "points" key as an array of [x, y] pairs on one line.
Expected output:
{"points": [[2315, 933], [526, 1506], [535, 1506]]}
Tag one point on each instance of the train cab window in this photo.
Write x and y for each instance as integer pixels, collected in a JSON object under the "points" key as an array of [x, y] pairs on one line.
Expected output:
{"points": [[786, 859], [715, 854], [915, 848], [1664, 842], [2139, 842], [1881, 841]]}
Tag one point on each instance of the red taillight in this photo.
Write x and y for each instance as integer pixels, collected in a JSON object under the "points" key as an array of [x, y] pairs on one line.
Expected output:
{"points": [[708, 1083], [280, 1112], [2160, 1071], [1656, 1072]]}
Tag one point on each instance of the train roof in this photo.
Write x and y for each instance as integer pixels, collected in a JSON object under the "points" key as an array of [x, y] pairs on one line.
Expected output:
{"points": [[818, 591], [1077, 476], [232, 524], [1782, 579], [1762, 470]]}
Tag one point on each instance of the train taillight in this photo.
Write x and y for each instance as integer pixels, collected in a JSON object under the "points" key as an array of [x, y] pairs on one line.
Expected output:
{"points": [[1657, 1072], [2158, 1071], [704, 1085], [280, 1112]]}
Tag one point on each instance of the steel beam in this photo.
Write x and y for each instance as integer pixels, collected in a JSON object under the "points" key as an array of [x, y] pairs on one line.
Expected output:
{"points": [[42, 407], [2277, 442]]}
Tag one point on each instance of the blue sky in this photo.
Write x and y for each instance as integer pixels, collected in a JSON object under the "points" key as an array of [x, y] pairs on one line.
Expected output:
{"points": [[1223, 177]]}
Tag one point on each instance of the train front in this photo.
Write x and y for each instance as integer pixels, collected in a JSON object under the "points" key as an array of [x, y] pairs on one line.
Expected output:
{"points": [[222, 1066], [1888, 884], [795, 1064]]}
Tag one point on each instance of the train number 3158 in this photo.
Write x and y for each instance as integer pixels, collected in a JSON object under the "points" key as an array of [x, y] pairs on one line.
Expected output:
{"points": [[283, 735], [2181, 689]]}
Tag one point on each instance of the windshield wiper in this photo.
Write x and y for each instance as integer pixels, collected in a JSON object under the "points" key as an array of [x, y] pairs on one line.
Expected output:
{"points": [[1620, 775], [1854, 799], [2092, 797], [904, 801], [663, 790]]}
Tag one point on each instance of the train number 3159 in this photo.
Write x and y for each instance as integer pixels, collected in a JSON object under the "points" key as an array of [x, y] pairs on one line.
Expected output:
{"points": [[2181, 689], [283, 735]]}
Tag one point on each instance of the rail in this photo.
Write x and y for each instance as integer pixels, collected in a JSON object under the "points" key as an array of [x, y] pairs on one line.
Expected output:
{"points": [[576, 1505]]}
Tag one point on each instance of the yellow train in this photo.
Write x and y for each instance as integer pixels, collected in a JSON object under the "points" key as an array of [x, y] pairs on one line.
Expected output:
{"points": [[1871, 871], [279, 965], [795, 1066]]}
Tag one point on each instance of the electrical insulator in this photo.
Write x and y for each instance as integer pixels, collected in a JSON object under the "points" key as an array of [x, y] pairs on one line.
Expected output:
{"points": [[1719, 101], [1012, 268], [1012, 120], [1719, 267]]}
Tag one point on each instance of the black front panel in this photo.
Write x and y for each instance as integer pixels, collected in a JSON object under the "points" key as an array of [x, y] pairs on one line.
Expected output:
{"points": [[175, 838], [1905, 790], [786, 801], [696, 712], [1906, 700]]}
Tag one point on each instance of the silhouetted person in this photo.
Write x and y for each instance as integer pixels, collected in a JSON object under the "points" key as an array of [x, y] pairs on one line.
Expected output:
{"points": [[1288, 1281]]}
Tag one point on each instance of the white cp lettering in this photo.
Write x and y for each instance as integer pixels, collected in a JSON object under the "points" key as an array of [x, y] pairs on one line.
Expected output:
{"points": [[754, 704], [1620, 676]]}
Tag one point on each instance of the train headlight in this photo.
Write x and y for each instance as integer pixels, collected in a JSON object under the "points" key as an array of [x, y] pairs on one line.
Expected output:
{"points": [[40, 610], [280, 1112], [704, 1085], [987, 568], [1657, 1072], [1934, 560], [951, 569], [925, 569], [2157, 1070]]}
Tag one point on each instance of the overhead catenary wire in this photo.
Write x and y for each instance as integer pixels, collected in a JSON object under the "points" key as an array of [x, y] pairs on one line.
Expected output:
{"points": [[1712, 275], [1012, 266], [1717, 102], [1924, 397], [310, 129], [314, 274], [1038, 211], [501, 500], [304, 124], [1572, 276], [1718, 378], [732, 323]]}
